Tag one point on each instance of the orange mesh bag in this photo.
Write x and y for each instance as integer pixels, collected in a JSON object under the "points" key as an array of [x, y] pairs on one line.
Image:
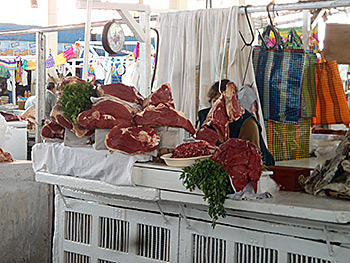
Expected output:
{"points": [[331, 104]]}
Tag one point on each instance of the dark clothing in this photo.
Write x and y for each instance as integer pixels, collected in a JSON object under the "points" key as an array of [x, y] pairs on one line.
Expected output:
{"points": [[235, 128]]}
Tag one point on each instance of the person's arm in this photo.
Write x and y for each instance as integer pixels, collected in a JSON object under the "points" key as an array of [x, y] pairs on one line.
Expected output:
{"points": [[250, 132]]}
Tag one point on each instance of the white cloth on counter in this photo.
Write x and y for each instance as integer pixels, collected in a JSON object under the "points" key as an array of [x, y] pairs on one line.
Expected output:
{"points": [[85, 162]]}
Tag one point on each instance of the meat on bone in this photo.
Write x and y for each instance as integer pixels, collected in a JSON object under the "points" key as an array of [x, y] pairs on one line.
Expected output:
{"points": [[234, 111], [9, 116], [161, 95], [132, 140], [163, 115], [52, 130], [207, 134], [107, 113], [242, 160], [58, 117], [217, 118], [121, 91], [5, 156]]}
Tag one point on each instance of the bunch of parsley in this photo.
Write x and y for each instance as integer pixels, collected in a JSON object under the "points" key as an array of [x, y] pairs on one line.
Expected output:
{"points": [[213, 180], [76, 99]]}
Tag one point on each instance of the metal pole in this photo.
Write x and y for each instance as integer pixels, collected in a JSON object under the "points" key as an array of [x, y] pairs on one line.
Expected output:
{"points": [[40, 85], [87, 40], [145, 55], [306, 28], [299, 6]]}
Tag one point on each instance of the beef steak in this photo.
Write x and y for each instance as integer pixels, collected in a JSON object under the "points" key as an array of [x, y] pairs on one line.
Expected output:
{"points": [[52, 130], [163, 115], [132, 140], [58, 117], [161, 95], [5, 156], [121, 91], [207, 134], [9, 116], [242, 160], [107, 113]]}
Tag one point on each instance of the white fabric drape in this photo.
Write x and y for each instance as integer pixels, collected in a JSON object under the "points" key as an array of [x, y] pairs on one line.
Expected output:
{"points": [[190, 55]]}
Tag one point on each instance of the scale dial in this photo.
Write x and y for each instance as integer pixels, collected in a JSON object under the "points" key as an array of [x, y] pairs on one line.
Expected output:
{"points": [[113, 37]]}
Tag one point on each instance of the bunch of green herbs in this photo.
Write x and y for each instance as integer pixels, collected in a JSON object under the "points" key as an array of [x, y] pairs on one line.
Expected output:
{"points": [[75, 99], [213, 180]]}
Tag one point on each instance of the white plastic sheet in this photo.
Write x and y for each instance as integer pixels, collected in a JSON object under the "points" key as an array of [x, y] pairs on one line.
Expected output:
{"points": [[86, 162]]}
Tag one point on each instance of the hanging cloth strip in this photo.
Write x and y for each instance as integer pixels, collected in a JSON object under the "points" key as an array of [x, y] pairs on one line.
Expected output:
{"points": [[10, 65]]}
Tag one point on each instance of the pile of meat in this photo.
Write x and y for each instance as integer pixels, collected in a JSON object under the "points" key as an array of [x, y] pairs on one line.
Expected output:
{"points": [[193, 149], [130, 117], [333, 176], [240, 158], [5, 156]]}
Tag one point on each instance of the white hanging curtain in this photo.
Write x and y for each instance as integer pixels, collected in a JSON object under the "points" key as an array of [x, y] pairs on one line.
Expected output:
{"points": [[190, 55]]}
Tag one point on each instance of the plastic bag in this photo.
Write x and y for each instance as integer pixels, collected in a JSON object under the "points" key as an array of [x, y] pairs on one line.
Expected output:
{"points": [[5, 131]]}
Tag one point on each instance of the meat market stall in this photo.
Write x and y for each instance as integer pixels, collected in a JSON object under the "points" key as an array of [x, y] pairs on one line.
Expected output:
{"points": [[110, 209]]}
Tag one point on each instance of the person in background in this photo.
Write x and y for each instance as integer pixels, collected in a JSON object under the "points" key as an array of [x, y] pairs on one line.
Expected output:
{"points": [[50, 99], [246, 128]]}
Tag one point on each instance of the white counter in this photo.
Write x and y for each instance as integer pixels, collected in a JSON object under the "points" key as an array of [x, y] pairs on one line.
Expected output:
{"points": [[159, 182]]}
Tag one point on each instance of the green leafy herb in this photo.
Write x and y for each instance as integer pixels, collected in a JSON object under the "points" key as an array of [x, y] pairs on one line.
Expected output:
{"points": [[213, 180], [76, 99]]}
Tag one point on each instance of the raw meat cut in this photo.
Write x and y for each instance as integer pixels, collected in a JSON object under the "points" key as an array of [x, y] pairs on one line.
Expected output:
{"points": [[9, 116], [233, 110], [5, 156], [68, 81], [107, 113], [52, 130], [217, 118], [208, 135], [242, 160], [161, 95], [57, 116], [121, 91], [163, 115], [193, 149], [132, 140]]}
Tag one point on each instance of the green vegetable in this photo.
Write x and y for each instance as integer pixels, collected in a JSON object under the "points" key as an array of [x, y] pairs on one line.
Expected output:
{"points": [[213, 180], [76, 99]]}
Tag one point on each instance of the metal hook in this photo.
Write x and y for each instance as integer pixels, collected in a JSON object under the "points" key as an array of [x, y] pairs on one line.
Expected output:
{"points": [[268, 12], [250, 28]]}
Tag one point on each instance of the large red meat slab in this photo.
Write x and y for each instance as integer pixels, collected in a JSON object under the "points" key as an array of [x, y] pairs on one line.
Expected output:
{"points": [[217, 118], [161, 95], [120, 91], [52, 130], [163, 115], [106, 114], [208, 135], [242, 160], [233, 110], [132, 140]]}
